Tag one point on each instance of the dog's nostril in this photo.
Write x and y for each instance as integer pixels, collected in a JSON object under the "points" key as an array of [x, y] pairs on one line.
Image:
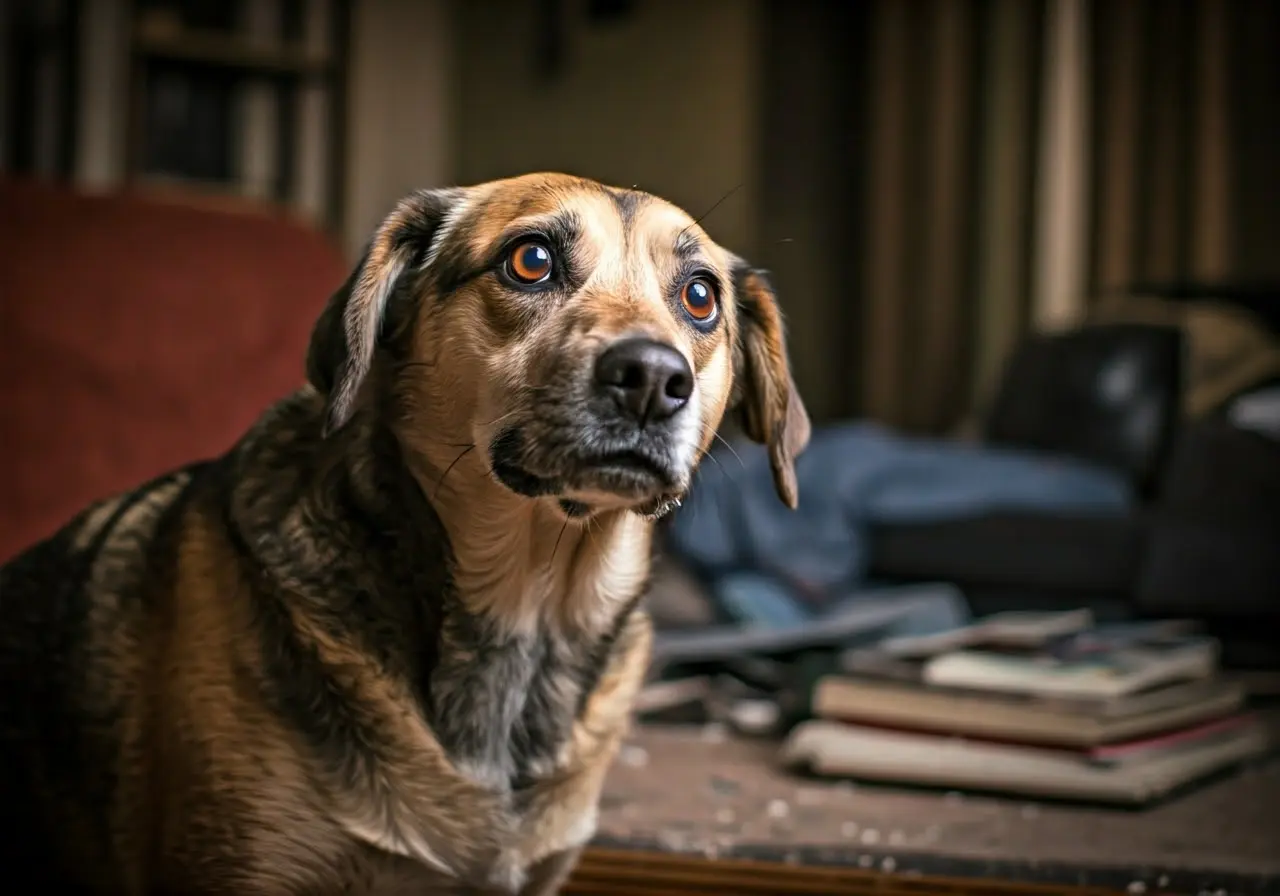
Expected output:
{"points": [[631, 376], [679, 386], [647, 379]]}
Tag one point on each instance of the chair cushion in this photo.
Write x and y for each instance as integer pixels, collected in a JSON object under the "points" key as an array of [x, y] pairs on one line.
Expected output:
{"points": [[1215, 525], [1108, 394]]}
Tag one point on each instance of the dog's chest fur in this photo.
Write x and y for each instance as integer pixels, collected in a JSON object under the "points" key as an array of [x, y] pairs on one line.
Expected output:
{"points": [[503, 706], [524, 751], [531, 782], [514, 717], [470, 746]]}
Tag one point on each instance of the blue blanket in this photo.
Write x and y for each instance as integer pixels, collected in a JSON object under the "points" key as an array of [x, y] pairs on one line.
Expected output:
{"points": [[858, 474]]}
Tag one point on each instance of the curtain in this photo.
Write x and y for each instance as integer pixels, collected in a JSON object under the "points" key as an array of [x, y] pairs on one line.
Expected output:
{"points": [[950, 130], [1188, 126], [1022, 158]]}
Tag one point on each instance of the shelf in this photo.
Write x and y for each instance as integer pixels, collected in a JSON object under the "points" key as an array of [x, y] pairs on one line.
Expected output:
{"points": [[210, 69], [214, 49]]}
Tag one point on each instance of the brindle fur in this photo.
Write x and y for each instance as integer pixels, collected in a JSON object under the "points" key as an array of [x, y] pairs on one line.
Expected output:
{"points": [[345, 657]]}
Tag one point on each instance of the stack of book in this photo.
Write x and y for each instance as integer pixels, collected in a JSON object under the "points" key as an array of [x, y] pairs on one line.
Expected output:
{"points": [[1038, 705], [710, 672]]}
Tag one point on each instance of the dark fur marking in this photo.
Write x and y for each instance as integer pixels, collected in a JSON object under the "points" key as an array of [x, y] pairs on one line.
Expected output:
{"points": [[601, 653], [687, 247], [628, 203], [385, 554]]}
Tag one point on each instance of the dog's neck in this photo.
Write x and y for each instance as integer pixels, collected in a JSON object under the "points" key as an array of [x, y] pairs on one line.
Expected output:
{"points": [[521, 565], [500, 616], [538, 604]]}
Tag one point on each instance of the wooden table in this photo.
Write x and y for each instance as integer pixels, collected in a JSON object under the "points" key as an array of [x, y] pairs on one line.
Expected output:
{"points": [[694, 811]]}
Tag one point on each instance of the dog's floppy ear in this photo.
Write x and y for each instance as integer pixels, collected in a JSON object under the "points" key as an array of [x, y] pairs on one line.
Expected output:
{"points": [[346, 334], [768, 404]]}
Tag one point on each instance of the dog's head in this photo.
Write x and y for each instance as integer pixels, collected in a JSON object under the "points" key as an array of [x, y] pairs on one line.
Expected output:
{"points": [[582, 341]]}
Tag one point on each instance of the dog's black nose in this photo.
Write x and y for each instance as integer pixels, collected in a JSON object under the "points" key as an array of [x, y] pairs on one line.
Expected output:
{"points": [[650, 381]]}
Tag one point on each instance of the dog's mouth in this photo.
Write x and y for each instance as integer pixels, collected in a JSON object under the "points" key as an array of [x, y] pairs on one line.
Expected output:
{"points": [[582, 478]]}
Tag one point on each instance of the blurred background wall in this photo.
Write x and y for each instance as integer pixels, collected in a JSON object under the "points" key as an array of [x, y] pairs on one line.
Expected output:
{"points": [[928, 179]]}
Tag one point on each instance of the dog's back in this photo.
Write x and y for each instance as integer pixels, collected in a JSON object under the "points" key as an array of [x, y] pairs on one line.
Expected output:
{"points": [[73, 650], [137, 752]]}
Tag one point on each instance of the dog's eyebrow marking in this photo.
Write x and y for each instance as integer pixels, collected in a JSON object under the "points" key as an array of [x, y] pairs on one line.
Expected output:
{"points": [[689, 253], [687, 247], [563, 228]]}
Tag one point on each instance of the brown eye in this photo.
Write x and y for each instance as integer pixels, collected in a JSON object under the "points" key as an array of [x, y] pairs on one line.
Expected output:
{"points": [[530, 263], [699, 300]]}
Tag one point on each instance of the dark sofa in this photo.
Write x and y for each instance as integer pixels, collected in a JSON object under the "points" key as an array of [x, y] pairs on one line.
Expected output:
{"points": [[1202, 539]]}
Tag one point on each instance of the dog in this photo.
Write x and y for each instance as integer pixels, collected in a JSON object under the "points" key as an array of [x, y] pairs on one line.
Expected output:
{"points": [[389, 641]]}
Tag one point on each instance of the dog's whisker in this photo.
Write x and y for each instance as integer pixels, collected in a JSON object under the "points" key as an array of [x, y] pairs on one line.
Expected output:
{"points": [[556, 546], [703, 216], [500, 418], [726, 444], [461, 455]]}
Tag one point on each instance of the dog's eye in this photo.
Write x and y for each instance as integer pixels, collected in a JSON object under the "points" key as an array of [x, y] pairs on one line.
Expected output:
{"points": [[530, 263], [699, 300]]}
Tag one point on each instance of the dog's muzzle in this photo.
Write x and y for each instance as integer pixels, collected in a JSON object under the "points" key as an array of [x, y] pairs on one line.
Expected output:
{"points": [[625, 434]]}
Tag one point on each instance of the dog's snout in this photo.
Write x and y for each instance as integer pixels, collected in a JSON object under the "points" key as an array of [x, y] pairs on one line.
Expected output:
{"points": [[649, 381]]}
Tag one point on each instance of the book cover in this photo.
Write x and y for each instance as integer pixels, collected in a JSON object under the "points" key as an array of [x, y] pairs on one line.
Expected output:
{"points": [[1079, 666], [1023, 717], [840, 750]]}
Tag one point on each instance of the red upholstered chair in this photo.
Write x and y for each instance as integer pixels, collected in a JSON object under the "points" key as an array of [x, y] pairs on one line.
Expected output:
{"points": [[136, 334]]}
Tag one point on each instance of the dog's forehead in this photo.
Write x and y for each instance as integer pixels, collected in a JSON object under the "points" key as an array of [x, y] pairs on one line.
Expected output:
{"points": [[638, 236], [611, 224]]}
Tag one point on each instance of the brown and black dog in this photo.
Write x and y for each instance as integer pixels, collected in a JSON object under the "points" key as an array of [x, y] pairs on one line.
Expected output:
{"points": [[389, 642]]}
